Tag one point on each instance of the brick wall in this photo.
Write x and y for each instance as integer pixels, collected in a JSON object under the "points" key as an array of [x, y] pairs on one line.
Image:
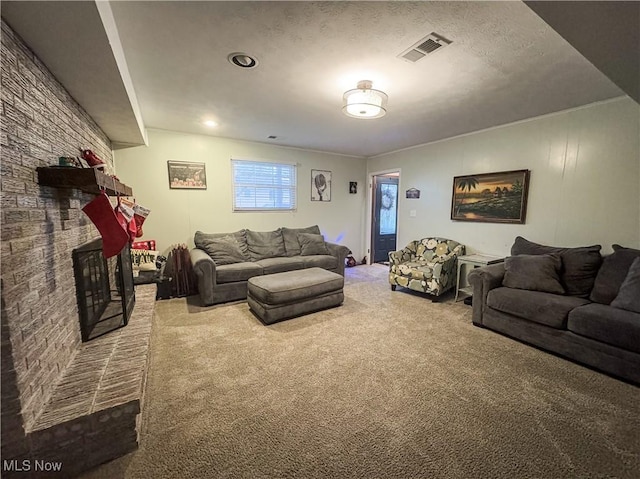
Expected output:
{"points": [[39, 121]]}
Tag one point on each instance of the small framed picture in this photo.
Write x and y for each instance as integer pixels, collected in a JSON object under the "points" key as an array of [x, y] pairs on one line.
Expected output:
{"points": [[320, 185], [187, 175], [353, 187], [413, 193]]}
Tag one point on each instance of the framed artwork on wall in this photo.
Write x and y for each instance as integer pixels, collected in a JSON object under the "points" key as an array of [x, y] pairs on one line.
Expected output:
{"points": [[353, 187], [491, 197], [187, 175], [320, 185], [413, 193]]}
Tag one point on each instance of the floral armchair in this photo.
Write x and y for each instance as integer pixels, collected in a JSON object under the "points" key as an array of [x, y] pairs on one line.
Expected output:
{"points": [[427, 265]]}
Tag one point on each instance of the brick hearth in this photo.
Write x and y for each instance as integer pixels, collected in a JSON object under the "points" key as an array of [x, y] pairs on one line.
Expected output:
{"points": [[92, 415]]}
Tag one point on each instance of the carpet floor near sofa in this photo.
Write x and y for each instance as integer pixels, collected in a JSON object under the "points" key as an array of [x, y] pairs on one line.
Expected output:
{"points": [[389, 385]]}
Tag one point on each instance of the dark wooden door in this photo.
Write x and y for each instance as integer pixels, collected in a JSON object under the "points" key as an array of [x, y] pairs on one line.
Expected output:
{"points": [[385, 213]]}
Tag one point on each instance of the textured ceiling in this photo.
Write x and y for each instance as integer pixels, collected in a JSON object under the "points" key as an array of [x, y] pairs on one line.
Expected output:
{"points": [[505, 64]]}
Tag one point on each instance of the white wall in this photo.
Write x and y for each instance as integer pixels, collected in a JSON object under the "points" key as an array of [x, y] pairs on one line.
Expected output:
{"points": [[584, 186], [177, 214]]}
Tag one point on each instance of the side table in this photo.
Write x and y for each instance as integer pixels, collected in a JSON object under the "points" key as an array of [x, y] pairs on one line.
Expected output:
{"points": [[475, 261]]}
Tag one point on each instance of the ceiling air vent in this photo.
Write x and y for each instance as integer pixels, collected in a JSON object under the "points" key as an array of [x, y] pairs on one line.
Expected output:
{"points": [[428, 45]]}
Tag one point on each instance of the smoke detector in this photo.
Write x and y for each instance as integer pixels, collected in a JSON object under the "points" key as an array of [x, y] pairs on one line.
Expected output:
{"points": [[427, 46]]}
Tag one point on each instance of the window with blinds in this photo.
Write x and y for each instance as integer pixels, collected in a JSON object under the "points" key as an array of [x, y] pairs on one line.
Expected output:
{"points": [[260, 186]]}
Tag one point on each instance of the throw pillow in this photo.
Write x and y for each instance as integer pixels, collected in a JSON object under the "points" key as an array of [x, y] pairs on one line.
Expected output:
{"points": [[629, 296], [143, 259], [311, 244], [612, 274], [580, 265], [290, 236], [201, 239], [263, 245], [224, 250], [533, 273]]}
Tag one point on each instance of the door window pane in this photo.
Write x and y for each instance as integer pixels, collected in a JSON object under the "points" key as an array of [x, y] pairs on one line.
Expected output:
{"points": [[388, 209]]}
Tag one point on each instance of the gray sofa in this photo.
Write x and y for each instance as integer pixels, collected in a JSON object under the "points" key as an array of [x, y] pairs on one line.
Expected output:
{"points": [[569, 301], [224, 262]]}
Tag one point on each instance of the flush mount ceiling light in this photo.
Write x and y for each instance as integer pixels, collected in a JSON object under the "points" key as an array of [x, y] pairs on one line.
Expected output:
{"points": [[210, 123], [242, 60], [365, 102]]}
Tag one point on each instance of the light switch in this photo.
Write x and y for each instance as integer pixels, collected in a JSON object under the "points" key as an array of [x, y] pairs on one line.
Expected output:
{"points": [[412, 213]]}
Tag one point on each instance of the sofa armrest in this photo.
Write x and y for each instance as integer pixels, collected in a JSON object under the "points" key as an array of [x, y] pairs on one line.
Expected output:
{"points": [[403, 255], [446, 262], [340, 252], [205, 269], [394, 257], [484, 280]]}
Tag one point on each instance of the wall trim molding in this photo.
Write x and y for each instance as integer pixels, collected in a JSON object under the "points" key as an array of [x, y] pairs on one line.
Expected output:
{"points": [[506, 125]]}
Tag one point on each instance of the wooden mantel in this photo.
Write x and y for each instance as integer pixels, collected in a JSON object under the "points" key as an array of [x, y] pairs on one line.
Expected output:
{"points": [[90, 180]]}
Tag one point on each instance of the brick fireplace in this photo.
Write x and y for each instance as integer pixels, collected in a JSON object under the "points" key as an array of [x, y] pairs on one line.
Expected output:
{"points": [[44, 400]]}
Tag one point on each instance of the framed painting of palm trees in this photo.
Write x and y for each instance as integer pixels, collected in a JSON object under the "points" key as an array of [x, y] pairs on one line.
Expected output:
{"points": [[491, 197]]}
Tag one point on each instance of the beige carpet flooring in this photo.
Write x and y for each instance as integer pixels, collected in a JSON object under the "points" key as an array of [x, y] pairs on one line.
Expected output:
{"points": [[389, 385]]}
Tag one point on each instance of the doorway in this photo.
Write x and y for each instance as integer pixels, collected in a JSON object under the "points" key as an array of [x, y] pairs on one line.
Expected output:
{"points": [[384, 218]]}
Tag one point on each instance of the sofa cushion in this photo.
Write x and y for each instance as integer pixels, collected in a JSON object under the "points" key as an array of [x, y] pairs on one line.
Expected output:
{"points": [[616, 327], [231, 273], [533, 272], [265, 244], [543, 308], [202, 240], [629, 295], [224, 250], [579, 265], [324, 261], [612, 274], [311, 244], [290, 236], [279, 265]]}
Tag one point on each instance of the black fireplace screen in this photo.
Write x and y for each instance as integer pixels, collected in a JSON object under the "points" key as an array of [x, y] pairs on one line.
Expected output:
{"points": [[104, 288]]}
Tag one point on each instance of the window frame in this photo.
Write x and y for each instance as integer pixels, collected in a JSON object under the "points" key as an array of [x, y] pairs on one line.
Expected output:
{"points": [[293, 190]]}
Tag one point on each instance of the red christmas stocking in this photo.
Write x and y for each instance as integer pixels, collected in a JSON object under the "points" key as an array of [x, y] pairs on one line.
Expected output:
{"points": [[127, 211], [133, 231], [114, 235], [140, 214]]}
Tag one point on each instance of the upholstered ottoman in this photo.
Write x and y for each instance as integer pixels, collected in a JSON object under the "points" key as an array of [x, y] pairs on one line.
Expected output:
{"points": [[279, 296]]}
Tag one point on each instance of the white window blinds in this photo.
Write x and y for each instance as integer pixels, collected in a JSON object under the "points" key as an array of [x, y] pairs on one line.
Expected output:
{"points": [[259, 186]]}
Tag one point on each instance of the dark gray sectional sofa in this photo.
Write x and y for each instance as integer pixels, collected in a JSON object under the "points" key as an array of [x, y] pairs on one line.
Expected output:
{"points": [[569, 301], [224, 262]]}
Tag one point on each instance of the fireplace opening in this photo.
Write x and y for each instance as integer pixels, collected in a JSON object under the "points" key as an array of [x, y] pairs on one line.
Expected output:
{"points": [[104, 289]]}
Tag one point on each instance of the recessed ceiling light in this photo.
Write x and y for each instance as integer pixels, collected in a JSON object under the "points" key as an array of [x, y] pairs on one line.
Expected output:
{"points": [[210, 123], [242, 60]]}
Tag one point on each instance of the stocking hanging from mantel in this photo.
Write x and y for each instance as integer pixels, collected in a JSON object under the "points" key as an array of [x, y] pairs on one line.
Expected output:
{"points": [[125, 208], [140, 215], [110, 223]]}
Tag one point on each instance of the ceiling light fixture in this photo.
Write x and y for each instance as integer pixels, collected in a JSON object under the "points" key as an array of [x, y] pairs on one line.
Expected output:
{"points": [[242, 60], [365, 102], [210, 123]]}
